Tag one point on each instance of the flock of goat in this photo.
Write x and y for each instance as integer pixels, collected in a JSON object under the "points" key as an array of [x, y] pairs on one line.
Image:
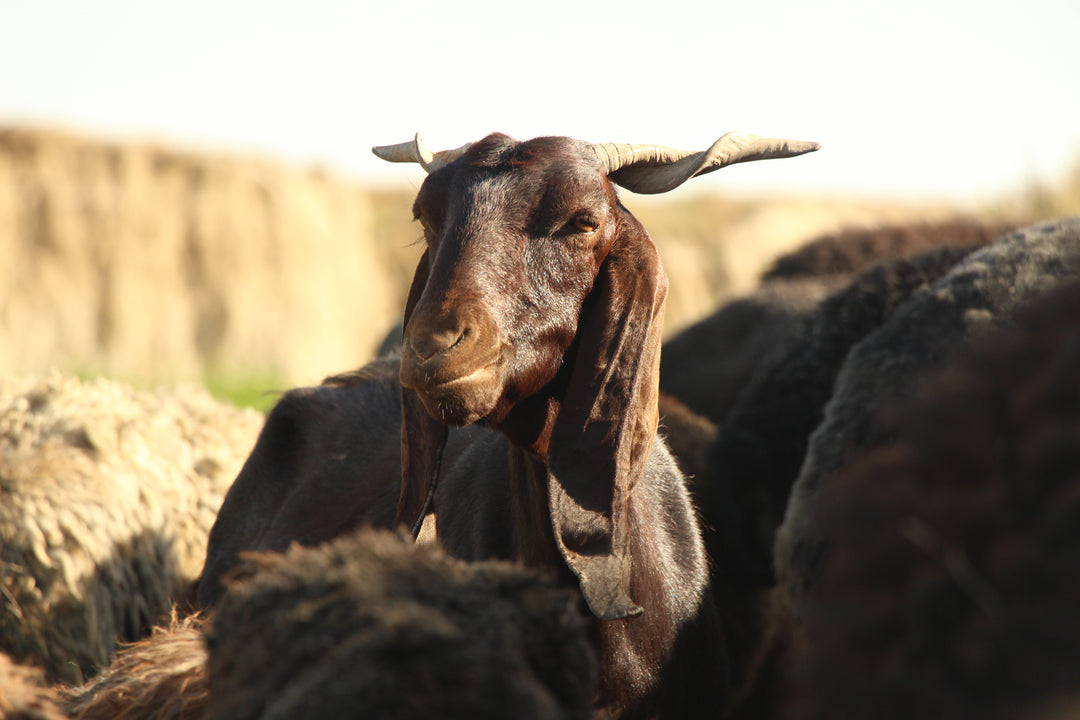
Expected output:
{"points": [[852, 493]]}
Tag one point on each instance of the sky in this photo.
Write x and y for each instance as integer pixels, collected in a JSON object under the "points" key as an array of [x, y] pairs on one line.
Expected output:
{"points": [[963, 100]]}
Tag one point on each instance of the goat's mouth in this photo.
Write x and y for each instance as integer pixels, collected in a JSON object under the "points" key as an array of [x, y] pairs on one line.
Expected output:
{"points": [[458, 400]]}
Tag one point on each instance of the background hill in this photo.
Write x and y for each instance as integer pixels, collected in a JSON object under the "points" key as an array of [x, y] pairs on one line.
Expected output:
{"points": [[153, 264]]}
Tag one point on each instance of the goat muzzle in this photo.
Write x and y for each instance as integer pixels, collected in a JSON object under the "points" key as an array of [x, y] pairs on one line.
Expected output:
{"points": [[454, 362]]}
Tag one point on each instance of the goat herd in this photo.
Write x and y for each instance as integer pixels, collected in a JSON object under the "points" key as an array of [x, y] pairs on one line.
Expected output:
{"points": [[852, 493]]}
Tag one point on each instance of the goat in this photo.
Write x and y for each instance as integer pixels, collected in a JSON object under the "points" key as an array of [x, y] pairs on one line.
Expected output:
{"points": [[369, 625], [536, 311], [757, 452], [107, 497], [756, 455], [981, 292], [326, 462], [950, 590]]}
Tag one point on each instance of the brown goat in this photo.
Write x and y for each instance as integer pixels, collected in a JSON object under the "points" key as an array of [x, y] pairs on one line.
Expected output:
{"points": [[536, 311]]}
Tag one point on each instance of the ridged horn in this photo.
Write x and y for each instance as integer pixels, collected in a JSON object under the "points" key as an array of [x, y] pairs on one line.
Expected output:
{"points": [[416, 152], [651, 169]]}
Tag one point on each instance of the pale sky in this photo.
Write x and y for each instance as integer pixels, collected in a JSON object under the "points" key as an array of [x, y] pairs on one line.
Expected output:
{"points": [[954, 99]]}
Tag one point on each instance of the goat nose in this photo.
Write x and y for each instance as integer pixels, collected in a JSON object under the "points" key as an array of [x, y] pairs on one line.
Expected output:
{"points": [[434, 341]]}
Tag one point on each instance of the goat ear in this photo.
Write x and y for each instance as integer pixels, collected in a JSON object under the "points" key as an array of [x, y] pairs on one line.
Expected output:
{"points": [[602, 437], [422, 437]]}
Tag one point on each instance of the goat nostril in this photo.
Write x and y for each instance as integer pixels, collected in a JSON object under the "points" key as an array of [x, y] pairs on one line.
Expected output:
{"points": [[461, 338], [428, 345]]}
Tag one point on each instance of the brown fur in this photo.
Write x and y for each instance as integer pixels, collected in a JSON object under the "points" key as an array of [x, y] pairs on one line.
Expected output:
{"points": [[160, 678]]}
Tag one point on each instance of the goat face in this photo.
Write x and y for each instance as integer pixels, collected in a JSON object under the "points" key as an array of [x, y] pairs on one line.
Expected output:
{"points": [[516, 233]]}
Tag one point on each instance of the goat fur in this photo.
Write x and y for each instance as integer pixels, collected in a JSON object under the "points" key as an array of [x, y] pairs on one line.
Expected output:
{"points": [[756, 455], [950, 588], [326, 462], [856, 249], [707, 365], [980, 293], [369, 625]]}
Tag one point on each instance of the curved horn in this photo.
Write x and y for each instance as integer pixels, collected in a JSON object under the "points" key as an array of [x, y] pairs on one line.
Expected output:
{"points": [[416, 152], [650, 169]]}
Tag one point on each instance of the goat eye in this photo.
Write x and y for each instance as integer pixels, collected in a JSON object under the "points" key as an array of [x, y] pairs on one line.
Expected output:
{"points": [[585, 224], [422, 220]]}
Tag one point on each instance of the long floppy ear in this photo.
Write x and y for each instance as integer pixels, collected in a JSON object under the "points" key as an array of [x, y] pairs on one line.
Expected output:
{"points": [[422, 437], [602, 437]]}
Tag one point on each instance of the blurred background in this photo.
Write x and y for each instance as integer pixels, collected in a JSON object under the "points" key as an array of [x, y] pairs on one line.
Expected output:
{"points": [[187, 191]]}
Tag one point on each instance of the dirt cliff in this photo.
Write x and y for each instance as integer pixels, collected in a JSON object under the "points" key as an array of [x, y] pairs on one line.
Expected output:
{"points": [[145, 262], [152, 264]]}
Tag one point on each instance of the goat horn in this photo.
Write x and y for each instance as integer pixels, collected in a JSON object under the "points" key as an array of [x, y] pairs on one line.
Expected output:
{"points": [[650, 169], [416, 152]]}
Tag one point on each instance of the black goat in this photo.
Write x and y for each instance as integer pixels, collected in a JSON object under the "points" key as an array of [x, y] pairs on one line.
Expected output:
{"points": [[327, 461], [950, 590], [755, 458], [710, 363], [982, 291], [370, 626]]}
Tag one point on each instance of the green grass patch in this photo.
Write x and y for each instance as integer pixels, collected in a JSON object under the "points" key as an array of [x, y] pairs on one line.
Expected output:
{"points": [[258, 390], [255, 390]]}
